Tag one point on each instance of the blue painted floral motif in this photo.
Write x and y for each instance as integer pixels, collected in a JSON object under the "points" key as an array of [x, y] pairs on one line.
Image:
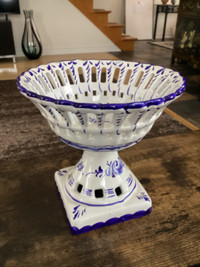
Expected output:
{"points": [[92, 120], [78, 211], [144, 196], [99, 172], [114, 168]]}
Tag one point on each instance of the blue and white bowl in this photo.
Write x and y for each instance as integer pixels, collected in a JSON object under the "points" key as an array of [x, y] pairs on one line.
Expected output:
{"points": [[101, 106]]}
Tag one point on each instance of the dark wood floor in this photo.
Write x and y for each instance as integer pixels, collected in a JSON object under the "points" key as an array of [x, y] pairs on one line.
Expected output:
{"points": [[147, 53], [33, 226]]}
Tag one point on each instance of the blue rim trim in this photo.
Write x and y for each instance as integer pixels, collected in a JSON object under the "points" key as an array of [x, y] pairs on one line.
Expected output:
{"points": [[110, 106], [98, 148], [111, 221], [102, 205]]}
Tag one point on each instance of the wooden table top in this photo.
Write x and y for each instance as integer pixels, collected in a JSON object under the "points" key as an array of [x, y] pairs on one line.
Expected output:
{"points": [[35, 232]]}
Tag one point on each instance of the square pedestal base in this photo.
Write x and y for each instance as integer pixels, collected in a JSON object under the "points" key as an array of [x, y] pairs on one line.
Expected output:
{"points": [[83, 218]]}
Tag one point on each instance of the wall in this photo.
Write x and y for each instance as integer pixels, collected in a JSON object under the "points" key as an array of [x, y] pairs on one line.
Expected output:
{"points": [[63, 29], [140, 17], [116, 6], [118, 15]]}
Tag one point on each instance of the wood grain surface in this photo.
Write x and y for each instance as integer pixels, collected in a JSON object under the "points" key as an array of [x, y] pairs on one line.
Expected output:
{"points": [[33, 226], [35, 232]]}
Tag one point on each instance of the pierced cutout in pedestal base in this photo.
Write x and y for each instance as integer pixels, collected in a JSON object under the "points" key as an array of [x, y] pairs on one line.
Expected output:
{"points": [[84, 217]]}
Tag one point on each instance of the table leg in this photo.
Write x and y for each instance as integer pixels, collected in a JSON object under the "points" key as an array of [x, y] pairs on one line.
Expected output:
{"points": [[155, 27], [164, 28]]}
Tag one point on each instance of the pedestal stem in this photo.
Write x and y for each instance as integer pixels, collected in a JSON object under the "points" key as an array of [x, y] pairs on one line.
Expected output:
{"points": [[100, 179]]}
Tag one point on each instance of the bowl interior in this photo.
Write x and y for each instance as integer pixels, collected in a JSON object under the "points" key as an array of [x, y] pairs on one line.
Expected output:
{"points": [[100, 81]]}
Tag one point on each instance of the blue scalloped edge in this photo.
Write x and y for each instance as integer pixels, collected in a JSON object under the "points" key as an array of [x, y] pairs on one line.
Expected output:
{"points": [[111, 221], [110, 106]]}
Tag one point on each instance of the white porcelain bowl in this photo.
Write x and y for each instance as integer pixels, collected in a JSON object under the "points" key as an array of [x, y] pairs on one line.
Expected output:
{"points": [[101, 106]]}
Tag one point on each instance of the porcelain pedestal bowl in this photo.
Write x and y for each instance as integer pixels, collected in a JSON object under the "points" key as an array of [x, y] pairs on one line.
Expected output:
{"points": [[101, 107]]}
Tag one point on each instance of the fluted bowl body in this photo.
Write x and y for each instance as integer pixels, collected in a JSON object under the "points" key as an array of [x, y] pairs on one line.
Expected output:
{"points": [[101, 105]]}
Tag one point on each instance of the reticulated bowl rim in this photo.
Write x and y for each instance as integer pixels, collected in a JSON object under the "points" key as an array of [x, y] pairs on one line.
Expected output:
{"points": [[105, 106]]}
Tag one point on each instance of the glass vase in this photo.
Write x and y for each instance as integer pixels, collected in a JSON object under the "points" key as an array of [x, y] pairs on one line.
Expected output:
{"points": [[31, 44]]}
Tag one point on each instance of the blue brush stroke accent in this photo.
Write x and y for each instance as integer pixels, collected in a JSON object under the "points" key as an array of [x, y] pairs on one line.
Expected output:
{"points": [[85, 63], [78, 212], [144, 196]]}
